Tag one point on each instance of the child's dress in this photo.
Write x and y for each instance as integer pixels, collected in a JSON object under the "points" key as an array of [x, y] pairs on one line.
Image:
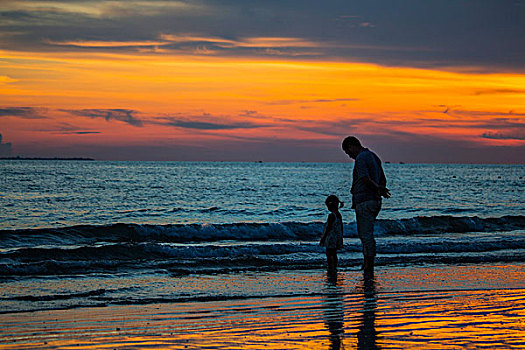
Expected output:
{"points": [[334, 237]]}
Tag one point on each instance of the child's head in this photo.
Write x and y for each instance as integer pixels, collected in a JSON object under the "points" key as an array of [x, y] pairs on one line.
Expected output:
{"points": [[333, 203]]}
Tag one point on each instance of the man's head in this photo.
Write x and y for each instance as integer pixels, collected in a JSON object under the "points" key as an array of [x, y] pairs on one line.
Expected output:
{"points": [[352, 146]]}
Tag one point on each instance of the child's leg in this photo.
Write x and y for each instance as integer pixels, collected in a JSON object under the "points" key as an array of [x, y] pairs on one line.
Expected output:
{"points": [[331, 257]]}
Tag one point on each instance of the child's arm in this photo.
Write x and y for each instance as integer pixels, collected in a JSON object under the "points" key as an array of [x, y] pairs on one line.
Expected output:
{"points": [[328, 227]]}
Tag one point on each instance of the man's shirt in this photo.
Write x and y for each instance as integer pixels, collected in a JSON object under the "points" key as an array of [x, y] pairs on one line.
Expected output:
{"points": [[367, 164]]}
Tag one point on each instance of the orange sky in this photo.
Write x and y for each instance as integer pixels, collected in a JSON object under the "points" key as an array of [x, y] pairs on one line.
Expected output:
{"points": [[242, 98]]}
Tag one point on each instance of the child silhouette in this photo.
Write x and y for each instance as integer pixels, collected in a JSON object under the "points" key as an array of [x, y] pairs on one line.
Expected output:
{"points": [[332, 237]]}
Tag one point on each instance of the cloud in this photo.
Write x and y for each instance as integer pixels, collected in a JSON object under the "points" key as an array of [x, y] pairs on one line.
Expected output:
{"points": [[499, 92], [391, 123], [107, 44], [518, 135], [288, 102], [63, 128], [94, 9], [463, 34], [478, 113], [250, 42], [123, 115], [22, 112], [145, 8], [208, 126], [72, 131], [204, 122], [246, 46], [472, 118]]}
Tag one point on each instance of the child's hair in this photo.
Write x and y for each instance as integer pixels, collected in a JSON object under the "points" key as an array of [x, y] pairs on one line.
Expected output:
{"points": [[333, 199]]}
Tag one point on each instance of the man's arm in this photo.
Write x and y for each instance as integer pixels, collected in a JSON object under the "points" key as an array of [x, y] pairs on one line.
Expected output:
{"points": [[381, 190], [364, 175]]}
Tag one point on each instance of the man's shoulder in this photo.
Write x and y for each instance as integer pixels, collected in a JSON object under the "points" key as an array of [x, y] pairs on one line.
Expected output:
{"points": [[366, 154]]}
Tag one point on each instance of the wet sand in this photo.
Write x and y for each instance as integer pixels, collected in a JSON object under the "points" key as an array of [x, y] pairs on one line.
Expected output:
{"points": [[440, 307]]}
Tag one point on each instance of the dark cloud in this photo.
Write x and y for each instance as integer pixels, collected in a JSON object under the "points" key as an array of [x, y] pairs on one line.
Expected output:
{"points": [[15, 17], [64, 128], [500, 92], [478, 113], [500, 123], [288, 102], [204, 122], [22, 112], [518, 135], [123, 115], [483, 35], [208, 126], [478, 123]]}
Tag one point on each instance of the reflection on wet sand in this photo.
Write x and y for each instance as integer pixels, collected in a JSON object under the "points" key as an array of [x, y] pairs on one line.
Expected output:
{"points": [[333, 309], [334, 313], [367, 333]]}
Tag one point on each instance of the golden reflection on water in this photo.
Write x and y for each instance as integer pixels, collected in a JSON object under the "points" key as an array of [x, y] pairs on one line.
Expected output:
{"points": [[348, 313], [451, 320]]}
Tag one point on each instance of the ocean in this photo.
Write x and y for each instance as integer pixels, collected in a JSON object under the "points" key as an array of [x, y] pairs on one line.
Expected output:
{"points": [[96, 233]]}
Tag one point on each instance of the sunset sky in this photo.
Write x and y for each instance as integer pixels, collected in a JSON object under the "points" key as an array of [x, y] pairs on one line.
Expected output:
{"points": [[416, 81]]}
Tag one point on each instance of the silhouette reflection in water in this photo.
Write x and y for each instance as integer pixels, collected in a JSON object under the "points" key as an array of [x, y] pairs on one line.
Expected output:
{"points": [[367, 335], [333, 309]]}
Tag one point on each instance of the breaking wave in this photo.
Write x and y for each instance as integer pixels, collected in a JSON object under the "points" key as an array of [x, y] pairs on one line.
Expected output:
{"points": [[206, 248], [246, 232]]}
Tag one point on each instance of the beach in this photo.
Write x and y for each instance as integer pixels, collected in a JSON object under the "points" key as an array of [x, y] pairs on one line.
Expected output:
{"points": [[432, 307]]}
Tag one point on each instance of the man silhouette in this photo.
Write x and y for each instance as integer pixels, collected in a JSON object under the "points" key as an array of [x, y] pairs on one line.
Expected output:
{"points": [[368, 186]]}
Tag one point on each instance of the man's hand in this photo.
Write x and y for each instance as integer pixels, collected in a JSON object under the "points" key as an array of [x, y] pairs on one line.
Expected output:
{"points": [[384, 192], [381, 190]]}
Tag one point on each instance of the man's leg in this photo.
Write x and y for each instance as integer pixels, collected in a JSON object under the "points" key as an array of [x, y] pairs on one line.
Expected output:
{"points": [[366, 214]]}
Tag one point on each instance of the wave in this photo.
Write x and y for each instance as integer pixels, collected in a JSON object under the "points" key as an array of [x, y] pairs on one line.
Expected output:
{"points": [[246, 232], [214, 248], [218, 258], [155, 251]]}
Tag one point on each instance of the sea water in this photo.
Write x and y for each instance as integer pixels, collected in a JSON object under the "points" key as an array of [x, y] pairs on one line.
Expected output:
{"points": [[84, 233]]}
